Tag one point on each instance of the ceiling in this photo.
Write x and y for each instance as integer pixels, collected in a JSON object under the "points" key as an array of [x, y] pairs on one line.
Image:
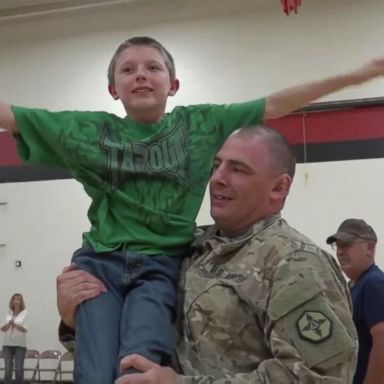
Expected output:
{"points": [[10, 9]]}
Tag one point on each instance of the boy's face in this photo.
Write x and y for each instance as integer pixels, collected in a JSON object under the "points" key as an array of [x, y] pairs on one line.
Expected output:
{"points": [[142, 83]]}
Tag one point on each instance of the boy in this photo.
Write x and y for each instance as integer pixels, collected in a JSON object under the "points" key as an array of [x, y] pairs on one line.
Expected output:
{"points": [[146, 175]]}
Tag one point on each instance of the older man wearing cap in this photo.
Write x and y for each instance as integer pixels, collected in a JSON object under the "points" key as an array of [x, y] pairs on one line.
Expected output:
{"points": [[355, 243]]}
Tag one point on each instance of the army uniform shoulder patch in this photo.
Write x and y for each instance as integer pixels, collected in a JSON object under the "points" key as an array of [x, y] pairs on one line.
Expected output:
{"points": [[314, 327]]}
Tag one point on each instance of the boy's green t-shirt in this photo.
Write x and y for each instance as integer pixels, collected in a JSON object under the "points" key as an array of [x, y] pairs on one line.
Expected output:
{"points": [[146, 181]]}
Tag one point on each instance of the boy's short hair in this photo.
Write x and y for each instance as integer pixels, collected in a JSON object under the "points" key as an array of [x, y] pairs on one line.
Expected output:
{"points": [[137, 41]]}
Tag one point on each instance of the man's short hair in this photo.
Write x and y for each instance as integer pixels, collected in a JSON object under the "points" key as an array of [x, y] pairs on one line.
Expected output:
{"points": [[282, 156]]}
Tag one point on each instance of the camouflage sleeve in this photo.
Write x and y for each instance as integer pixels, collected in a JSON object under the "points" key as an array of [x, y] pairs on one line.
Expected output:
{"points": [[308, 328], [312, 335]]}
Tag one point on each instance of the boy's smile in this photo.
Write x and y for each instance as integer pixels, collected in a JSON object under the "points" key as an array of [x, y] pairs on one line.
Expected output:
{"points": [[143, 83]]}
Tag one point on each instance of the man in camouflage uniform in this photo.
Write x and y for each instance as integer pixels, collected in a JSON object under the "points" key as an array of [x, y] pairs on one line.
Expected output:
{"points": [[261, 303]]}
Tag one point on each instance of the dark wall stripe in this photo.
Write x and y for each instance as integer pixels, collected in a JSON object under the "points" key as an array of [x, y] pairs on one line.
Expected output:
{"points": [[20, 173], [312, 153], [342, 150]]}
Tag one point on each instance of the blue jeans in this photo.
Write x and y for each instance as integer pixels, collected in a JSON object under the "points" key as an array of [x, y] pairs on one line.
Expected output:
{"points": [[135, 315], [17, 353]]}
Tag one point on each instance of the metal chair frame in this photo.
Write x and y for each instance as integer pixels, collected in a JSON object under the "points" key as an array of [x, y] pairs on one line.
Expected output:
{"points": [[33, 355], [2, 367], [65, 357], [53, 355]]}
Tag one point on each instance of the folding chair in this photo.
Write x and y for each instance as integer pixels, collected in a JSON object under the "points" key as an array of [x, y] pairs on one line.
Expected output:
{"points": [[65, 368], [2, 365], [31, 366], [48, 365]]}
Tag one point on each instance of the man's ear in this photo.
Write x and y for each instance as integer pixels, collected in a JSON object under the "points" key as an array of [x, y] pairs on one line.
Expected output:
{"points": [[175, 84], [281, 186], [371, 249], [112, 92]]}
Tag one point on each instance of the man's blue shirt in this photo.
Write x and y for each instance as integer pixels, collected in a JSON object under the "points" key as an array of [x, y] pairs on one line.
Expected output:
{"points": [[368, 310]]}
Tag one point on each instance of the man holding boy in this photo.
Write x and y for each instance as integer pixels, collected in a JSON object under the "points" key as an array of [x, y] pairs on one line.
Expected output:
{"points": [[260, 302]]}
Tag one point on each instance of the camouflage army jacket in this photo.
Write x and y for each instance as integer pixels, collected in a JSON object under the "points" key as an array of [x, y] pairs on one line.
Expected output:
{"points": [[267, 307]]}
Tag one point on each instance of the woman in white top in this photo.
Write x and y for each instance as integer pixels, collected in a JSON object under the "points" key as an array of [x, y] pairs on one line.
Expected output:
{"points": [[14, 344]]}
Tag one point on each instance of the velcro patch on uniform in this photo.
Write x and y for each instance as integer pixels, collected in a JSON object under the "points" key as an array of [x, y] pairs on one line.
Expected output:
{"points": [[291, 294], [314, 326]]}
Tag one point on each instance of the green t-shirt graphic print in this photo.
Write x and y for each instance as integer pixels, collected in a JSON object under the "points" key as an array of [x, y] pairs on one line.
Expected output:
{"points": [[146, 181]]}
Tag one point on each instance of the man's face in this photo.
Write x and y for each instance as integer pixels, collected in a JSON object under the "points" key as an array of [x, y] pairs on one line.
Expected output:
{"points": [[355, 257], [142, 83], [243, 185]]}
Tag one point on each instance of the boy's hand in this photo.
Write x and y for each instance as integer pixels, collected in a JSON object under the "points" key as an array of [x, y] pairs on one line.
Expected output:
{"points": [[73, 287], [372, 69], [152, 372], [281, 103]]}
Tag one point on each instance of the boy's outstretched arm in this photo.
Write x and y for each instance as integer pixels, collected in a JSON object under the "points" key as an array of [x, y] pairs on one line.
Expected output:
{"points": [[7, 118], [288, 100]]}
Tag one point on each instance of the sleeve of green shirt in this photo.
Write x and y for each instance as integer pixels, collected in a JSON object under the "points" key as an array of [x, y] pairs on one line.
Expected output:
{"points": [[237, 115], [40, 133]]}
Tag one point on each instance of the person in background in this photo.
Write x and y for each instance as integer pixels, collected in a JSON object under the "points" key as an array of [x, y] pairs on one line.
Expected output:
{"points": [[14, 344], [355, 244]]}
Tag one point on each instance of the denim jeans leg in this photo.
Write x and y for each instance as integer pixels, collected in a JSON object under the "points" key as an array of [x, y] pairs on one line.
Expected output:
{"points": [[19, 364], [98, 322], [149, 310], [9, 353]]}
